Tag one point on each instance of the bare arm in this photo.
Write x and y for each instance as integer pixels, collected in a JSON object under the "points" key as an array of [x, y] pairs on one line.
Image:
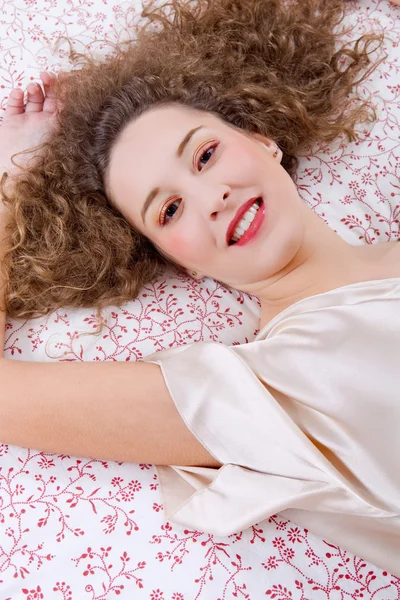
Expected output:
{"points": [[110, 410]]}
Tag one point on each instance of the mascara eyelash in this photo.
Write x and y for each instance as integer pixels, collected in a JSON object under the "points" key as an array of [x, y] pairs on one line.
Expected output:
{"points": [[164, 211], [203, 150]]}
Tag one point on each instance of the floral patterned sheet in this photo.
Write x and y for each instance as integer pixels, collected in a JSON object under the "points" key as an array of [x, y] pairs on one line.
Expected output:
{"points": [[73, 528]]}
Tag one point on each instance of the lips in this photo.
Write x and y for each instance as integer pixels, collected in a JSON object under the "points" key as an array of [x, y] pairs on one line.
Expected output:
{"points": [[239, 214]]}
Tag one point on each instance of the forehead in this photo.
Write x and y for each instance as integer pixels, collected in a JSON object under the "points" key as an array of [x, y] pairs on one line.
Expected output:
{"points": [[165, 125]]}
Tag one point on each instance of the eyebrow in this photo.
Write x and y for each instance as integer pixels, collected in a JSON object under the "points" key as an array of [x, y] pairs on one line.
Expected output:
{"points": [[179, 152]]}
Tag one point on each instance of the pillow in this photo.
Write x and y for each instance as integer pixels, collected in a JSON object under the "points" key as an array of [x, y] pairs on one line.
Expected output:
{"points": [[72, 527]]}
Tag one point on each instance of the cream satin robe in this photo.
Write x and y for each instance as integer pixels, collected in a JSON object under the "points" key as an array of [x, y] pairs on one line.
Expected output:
{"points": [[305, 420]]}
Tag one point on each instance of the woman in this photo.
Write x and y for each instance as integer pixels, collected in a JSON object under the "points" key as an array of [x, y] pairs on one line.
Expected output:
{"points": [[154, 164]]}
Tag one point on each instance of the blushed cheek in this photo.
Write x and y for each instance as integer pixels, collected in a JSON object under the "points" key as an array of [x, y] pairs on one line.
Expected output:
{"points": [[182, 248]]}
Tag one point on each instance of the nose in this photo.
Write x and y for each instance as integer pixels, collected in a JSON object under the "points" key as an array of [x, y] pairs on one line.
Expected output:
{"points": [[217, 201]]}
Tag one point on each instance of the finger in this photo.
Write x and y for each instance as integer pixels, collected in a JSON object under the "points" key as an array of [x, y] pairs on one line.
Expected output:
{"points": [[35, 98], [15, 103], [48, 80]]}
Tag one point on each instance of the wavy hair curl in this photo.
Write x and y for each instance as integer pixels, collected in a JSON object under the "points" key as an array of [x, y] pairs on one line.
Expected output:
{"points": [[276, 67]]}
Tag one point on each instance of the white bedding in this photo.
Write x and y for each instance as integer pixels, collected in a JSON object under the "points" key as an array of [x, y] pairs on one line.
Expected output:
{"points": [[74, 528]]}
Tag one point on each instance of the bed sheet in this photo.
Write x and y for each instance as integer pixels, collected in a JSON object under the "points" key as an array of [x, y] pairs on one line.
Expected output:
{"points": [[73, 528]]}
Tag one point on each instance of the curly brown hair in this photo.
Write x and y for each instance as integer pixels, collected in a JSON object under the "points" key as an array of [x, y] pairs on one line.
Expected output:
{"points": [[267, 66]]}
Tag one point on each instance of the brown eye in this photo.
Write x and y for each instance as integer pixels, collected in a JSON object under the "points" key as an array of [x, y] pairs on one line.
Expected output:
{"points": [[206, 156], [169, 211]]}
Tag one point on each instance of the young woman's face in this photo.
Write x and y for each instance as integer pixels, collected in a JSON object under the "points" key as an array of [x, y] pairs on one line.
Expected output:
{"points": [[184, 178]]}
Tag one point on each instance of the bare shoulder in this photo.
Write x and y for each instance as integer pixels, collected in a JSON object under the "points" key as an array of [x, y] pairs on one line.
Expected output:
{"points": [[382, 260], [391, 259]]}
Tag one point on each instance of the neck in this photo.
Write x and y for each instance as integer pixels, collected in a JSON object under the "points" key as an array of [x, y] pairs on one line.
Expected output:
{"points": [[324, 261]]}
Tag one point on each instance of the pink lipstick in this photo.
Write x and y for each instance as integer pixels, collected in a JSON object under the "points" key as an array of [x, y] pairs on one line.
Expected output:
{"points": [[254, 227]]}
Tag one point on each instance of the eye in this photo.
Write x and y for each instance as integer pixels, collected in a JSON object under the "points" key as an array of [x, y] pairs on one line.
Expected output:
{"points": [[206, 156], [168, 211]]}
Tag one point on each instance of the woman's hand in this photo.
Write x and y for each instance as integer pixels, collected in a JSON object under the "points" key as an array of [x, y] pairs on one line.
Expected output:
{"points": [[27, 125]]}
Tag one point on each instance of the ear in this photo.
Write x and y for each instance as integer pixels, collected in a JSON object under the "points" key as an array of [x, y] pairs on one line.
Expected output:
{"points": [[195, 274], [269, 145]]}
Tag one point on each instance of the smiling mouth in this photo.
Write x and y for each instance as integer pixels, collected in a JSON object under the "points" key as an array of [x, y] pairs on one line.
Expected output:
{"points": [[243, 220]]}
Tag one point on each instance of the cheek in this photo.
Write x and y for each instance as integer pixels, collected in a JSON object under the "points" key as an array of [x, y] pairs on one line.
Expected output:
{"points": [[184, 246], [177, 245], [247, 157]]}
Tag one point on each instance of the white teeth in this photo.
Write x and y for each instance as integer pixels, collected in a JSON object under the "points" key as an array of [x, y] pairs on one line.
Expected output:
{"points": [[241, 229], [245, 222], [249, 216]]}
